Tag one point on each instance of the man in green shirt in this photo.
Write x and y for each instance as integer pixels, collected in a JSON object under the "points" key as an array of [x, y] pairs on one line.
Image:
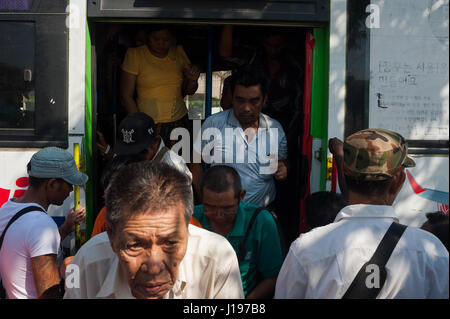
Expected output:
{"points": [[223, 212]]}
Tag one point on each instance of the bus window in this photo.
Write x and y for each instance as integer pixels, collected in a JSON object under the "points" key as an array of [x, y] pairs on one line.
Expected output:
{"points": [[17, 52], [197, 102], [17, 5], [33, 74]]}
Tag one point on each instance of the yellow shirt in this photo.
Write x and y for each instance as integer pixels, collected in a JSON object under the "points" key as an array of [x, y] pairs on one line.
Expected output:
{"points": [[158, 82]]}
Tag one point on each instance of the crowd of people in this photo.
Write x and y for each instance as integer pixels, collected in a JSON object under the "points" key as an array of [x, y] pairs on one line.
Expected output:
{"points": [[151, 241]]}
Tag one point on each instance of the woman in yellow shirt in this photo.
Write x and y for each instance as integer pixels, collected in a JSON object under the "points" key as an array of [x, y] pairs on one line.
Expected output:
{"points": [[162, 75]]}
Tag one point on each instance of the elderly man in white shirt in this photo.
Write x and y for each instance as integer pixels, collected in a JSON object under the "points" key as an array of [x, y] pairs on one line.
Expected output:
{"points": [[149, 250], [324, 262]]}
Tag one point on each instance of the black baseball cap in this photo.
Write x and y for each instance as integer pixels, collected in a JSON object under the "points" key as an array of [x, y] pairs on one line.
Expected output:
{"points": [[136, 132]]}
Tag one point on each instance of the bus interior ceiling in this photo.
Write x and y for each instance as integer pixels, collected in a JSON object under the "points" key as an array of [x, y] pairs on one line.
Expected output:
{"points": [[111, 41]]}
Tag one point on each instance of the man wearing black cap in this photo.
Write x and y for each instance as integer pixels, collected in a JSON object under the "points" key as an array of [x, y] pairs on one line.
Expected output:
{"points": [[137, 135], [345, 259], [29, 247]]}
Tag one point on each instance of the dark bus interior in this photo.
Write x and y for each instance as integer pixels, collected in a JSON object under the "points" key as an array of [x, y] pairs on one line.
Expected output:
{"points": [[199, 41]]}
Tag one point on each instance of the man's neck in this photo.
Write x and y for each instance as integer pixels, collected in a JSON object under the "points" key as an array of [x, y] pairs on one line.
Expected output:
{"points": [[356, 198], [253, 129], [223, 230], [33, 196]]}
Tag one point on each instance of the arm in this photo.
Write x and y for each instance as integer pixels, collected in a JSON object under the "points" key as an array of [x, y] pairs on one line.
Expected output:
{"points": [[282, 171], [226, 42], [264, 290], [190, 80], [197, 175], [45, 275], [102, 146], [127, 88], [336, 147], [74, 217], [291, 282]]}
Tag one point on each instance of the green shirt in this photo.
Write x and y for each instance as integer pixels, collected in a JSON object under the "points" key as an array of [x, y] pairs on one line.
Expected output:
{"points": [[263, 249]]}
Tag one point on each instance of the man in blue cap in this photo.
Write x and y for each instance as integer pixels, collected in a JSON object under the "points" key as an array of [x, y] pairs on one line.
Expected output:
{"points": [[29, 247]]}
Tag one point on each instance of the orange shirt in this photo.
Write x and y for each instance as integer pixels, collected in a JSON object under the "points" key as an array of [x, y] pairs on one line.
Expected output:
{"points": [[100, 223]]}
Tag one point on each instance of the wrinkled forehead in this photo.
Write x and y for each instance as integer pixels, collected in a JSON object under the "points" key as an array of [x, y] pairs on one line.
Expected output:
{"points": [[155, 216], [248, 92]]}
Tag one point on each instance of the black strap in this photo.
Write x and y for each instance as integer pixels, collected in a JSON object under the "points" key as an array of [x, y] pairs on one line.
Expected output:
{"points": [[241, 252], [16, 216], [358, 288]]}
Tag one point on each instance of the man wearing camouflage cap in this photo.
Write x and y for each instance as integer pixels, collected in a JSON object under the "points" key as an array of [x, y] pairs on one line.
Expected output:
{"points": [[324, 262]]}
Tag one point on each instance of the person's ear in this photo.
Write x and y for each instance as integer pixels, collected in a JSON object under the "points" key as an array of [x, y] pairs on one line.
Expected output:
{"points": [[242, 195], [265, 99], [397, 183], [52, 184], [110, 232]]}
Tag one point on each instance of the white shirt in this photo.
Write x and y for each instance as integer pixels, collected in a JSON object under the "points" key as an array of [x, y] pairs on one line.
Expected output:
{"points": [[33, 234], [323, 262], [174, 160], [205, 272]]}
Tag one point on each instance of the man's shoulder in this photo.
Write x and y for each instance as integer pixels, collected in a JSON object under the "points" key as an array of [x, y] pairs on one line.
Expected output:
{"points": [[217, 119], [422, 240], [96, 249], [10, 208], [204, 243], [264, 215], [272, 123]]}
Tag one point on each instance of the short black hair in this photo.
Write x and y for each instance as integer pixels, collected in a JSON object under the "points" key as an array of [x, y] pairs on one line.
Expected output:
{"points": [[322, 207], [369, 188], [158, 27], [221, 178], [116, 164], [249, 75], [143, 186], [438, 222], [34, 182]]}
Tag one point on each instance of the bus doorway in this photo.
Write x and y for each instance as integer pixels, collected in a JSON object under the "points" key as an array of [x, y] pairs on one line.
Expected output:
{"points": [[203, 44]]}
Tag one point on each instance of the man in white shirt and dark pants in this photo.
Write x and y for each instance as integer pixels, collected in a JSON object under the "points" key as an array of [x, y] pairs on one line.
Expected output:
{"points": [[324, 262], [28, 255]]}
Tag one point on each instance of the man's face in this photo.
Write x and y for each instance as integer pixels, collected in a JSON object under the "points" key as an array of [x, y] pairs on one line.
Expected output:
{"points": [[160, 42], [247, 103], [150, 247], [220, 208], [59, 191], [273, 46]]}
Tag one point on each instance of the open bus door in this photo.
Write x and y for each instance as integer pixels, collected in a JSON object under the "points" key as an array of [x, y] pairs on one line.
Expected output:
{"points": [[206, 18]]}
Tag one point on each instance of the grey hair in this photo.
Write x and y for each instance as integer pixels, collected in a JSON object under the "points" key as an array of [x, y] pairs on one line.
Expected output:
{"points": [[143, 186]]}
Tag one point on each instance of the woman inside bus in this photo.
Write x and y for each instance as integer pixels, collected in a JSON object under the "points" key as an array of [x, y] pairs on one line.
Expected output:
{"points": [[162, 75]]}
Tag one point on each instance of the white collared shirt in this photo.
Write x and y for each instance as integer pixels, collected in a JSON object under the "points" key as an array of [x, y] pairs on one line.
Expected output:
{"points": [[205, 272], [174, 160], [323, 262]]}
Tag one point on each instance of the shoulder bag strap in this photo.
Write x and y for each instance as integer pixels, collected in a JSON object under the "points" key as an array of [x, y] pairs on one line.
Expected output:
{"points": [[359, 288], [16, 216], [241, 252]]}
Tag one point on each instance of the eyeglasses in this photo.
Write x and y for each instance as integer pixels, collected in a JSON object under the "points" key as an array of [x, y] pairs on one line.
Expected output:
{"points": [[221, 212]]}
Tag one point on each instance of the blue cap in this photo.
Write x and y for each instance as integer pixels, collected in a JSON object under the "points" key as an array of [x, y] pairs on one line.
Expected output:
{"points": [[54, 162]]}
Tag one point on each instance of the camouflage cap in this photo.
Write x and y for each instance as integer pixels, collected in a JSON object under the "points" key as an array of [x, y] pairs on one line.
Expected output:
{"points": [[375, 154]]}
